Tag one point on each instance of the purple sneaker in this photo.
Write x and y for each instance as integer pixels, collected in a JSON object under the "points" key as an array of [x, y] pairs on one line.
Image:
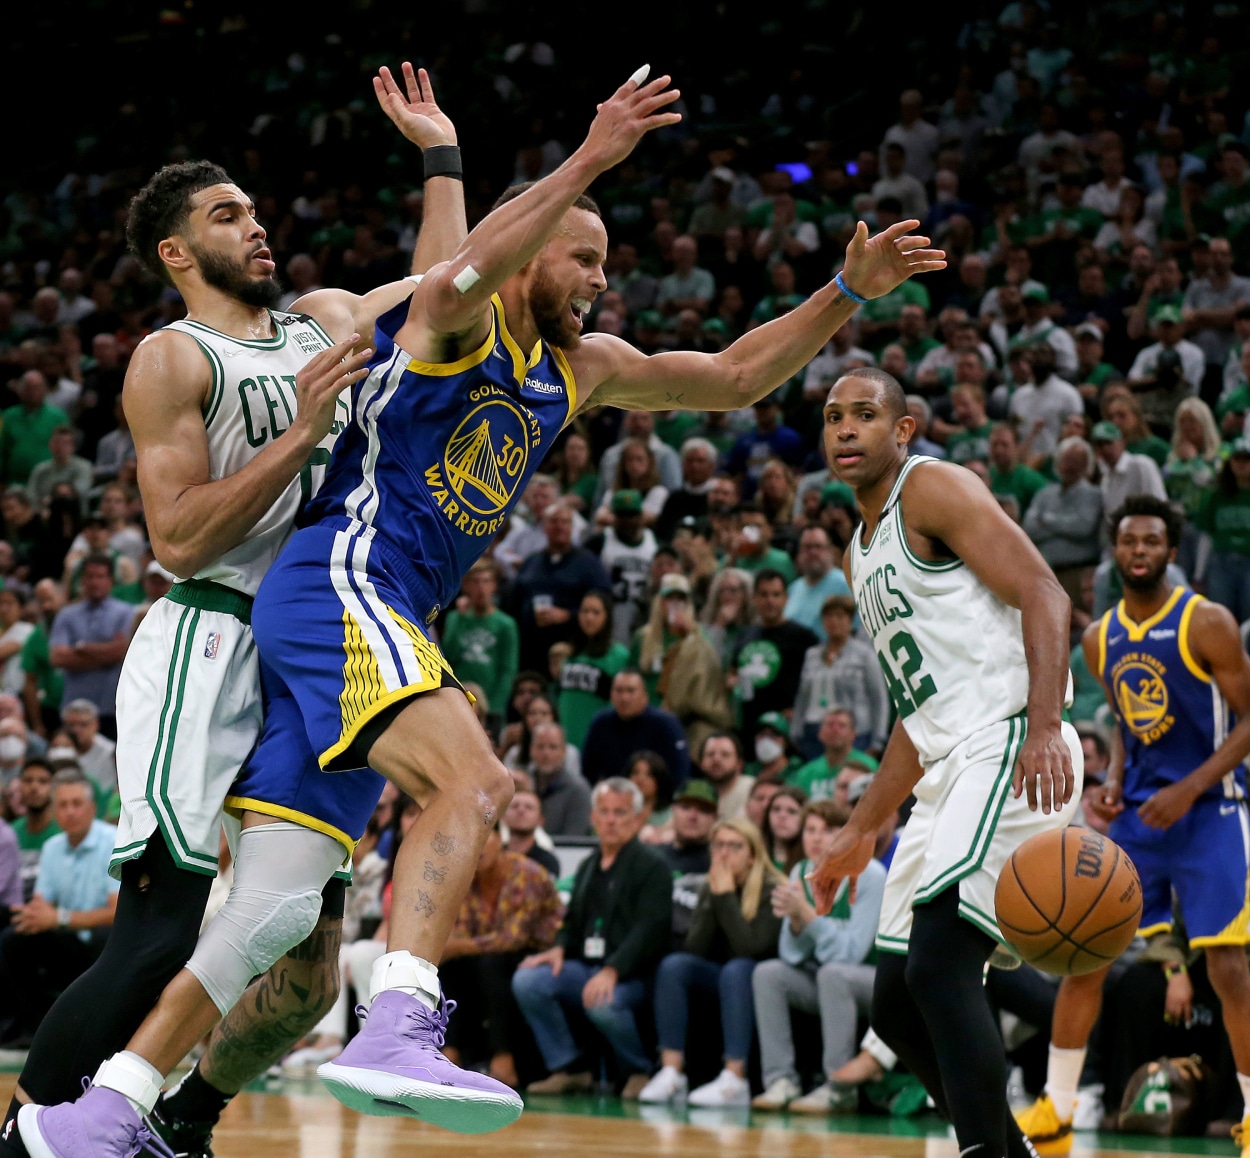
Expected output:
{"points": [[101, 1124], [393, 1066]]}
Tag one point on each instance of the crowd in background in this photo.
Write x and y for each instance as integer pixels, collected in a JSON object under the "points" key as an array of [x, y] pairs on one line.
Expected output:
{"points": [[662, 643]]}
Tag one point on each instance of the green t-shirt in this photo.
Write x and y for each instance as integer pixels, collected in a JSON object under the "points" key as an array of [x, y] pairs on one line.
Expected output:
{"points": [[585, 682], [1189, 481], [965, 445], [1101, 374], [483, 649], [1227, 521], [127, 592], [676, 428], [1080, 220], [766, 309], [24, 439], [38, 660], [584, 488], [889, 307], [1087, 693], [1237, 401], [1152, 446], [773, 558], [1228, 213], [817, 776], [1023, 482], [33, 842]]}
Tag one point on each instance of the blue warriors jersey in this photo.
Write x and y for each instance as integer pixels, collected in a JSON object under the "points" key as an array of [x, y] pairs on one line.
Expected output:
{"points": [[1171, 713], [438, 454]]}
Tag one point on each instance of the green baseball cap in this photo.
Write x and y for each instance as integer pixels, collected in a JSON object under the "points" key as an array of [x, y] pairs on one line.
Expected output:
{"points": [[627, 502], [1106, 432], [698, 792], [1169, 314], [649, 320], [714, 326], [776, 721], [1036, 293], [837, 494]]}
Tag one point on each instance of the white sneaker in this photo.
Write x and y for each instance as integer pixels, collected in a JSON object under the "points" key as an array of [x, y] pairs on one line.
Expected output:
{"points": [[304, 1062], [669, 1085], [726, 1090], [778, 1095], [827, 1099], [1088, 1112]]}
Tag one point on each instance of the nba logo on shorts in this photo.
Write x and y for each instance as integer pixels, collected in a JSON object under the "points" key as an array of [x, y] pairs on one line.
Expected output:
{"points": [[210, 648]]}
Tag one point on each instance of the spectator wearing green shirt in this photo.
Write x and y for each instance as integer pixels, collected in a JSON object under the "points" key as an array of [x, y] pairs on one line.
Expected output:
{"points": [[64, 466], [481, 642], [27, 429], [37, 825], [752, 546], [1008, 475], [828, 777], [1159, 289], [1225, 516], [1190, 470], [971, 438], [1226, 211], [914, 336], [44, 687], [586, 677], [576, 475], [782, 300], [1092, 373], [879, 319]]}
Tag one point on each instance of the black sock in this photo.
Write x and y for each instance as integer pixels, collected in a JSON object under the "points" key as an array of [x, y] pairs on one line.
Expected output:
{"points": [[10, 1140], [195, 1100]]}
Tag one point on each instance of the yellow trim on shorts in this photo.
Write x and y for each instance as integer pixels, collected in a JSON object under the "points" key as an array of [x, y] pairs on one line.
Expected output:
{"points": [[1236, 932], [1182, 641], [348, 738], [237, 805], [1151, 930]]}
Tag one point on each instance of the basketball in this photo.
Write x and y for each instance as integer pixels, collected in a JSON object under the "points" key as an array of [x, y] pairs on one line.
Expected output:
{"points": [[1069, 901]]}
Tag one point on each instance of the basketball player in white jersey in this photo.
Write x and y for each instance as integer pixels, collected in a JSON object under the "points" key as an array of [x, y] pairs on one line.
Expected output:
{"points": [[234, 412], [971, 629]]}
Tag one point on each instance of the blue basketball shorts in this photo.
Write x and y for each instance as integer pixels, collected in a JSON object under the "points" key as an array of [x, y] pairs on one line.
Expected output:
{"points": [[340, 655], [1205, 858]]}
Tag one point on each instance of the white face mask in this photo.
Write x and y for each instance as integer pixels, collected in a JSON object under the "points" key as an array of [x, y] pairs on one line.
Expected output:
{"points": [[12, 749], [62, 754], [767, 749]]}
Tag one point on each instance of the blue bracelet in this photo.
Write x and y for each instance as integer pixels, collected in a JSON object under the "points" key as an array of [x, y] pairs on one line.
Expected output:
{"points": [[850, 293]]}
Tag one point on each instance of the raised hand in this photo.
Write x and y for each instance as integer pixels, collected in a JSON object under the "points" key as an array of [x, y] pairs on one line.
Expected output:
{"points": [[625, 118], [415, 114], [875, 266], [320, 382]]}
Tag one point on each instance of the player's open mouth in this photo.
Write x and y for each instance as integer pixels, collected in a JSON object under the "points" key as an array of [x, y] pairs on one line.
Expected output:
{"points": [[1139, 569], [579, 308], [265, 258]]}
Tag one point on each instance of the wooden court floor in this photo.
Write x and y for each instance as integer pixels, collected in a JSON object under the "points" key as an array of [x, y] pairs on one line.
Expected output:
{"points": [[297, 1120]]}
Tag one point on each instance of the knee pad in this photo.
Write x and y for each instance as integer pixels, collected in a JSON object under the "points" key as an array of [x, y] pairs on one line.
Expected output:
{"points": [[273, 905]]}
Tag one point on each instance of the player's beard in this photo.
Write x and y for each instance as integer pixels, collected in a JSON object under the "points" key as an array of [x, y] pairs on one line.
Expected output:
{"points": [[233, 280], [549, 307], [1146, 582]]}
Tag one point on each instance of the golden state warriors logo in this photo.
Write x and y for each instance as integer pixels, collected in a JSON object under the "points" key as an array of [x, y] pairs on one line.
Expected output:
{"points": [[1141, 696], [486, 456]]}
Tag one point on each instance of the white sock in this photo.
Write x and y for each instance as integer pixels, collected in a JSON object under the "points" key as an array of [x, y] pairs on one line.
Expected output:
{"points": [[134, 1077], [1063, 1076], [1244, 1082], [409, 974]]}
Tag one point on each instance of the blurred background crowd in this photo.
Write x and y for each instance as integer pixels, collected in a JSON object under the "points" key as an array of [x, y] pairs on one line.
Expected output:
{"points": [[662, 642]]}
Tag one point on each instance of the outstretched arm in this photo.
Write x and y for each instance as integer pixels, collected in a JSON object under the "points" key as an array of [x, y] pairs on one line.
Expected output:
{"points": [[764, 358], [1215, 640], [455, 298], [950, 504], [443, 228]]}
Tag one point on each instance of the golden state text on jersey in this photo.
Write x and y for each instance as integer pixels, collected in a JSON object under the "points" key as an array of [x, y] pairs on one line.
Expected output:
{"points": [[437, 455]]}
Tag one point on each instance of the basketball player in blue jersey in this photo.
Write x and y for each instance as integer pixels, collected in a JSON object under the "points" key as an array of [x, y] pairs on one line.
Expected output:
{"points": [[1177, 677], [473, 379], [233, 412]]}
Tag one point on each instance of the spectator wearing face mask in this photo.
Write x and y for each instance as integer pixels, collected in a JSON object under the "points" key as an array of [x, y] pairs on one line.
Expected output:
{"points": [[775, 757], [12, 749]]}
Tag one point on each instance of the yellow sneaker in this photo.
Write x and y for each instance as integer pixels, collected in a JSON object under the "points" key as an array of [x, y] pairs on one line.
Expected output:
{"points": [[1241, 1135], [1051, 1137]]}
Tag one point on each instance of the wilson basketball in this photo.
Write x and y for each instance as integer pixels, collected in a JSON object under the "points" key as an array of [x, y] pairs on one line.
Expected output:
{"points": [[1069, 901]]}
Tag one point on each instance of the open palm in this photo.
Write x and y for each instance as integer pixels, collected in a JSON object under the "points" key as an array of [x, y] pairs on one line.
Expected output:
{"points": [[415, 112], [876, 265]]}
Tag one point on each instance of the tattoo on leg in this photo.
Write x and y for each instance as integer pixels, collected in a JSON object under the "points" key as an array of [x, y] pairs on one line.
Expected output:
{"points": [[443, 845], [277, 1010], [434, 875], [425, 903]]}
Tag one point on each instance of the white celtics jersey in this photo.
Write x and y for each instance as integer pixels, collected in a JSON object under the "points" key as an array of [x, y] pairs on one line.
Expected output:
{"points": [[252, 402], [951, 650], [628, 567]]}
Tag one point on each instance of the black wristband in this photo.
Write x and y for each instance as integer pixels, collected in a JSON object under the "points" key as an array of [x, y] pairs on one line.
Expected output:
{"points": [[443, 161]]}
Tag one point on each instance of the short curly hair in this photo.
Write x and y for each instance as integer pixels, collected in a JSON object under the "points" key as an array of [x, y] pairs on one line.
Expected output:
{"points": [[161, 208]]}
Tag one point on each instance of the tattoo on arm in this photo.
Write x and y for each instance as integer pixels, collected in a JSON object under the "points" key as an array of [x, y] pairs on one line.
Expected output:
{"points": [[443, 845], [674, 398], [279, 1008], [434, 875], [425, 904]]}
